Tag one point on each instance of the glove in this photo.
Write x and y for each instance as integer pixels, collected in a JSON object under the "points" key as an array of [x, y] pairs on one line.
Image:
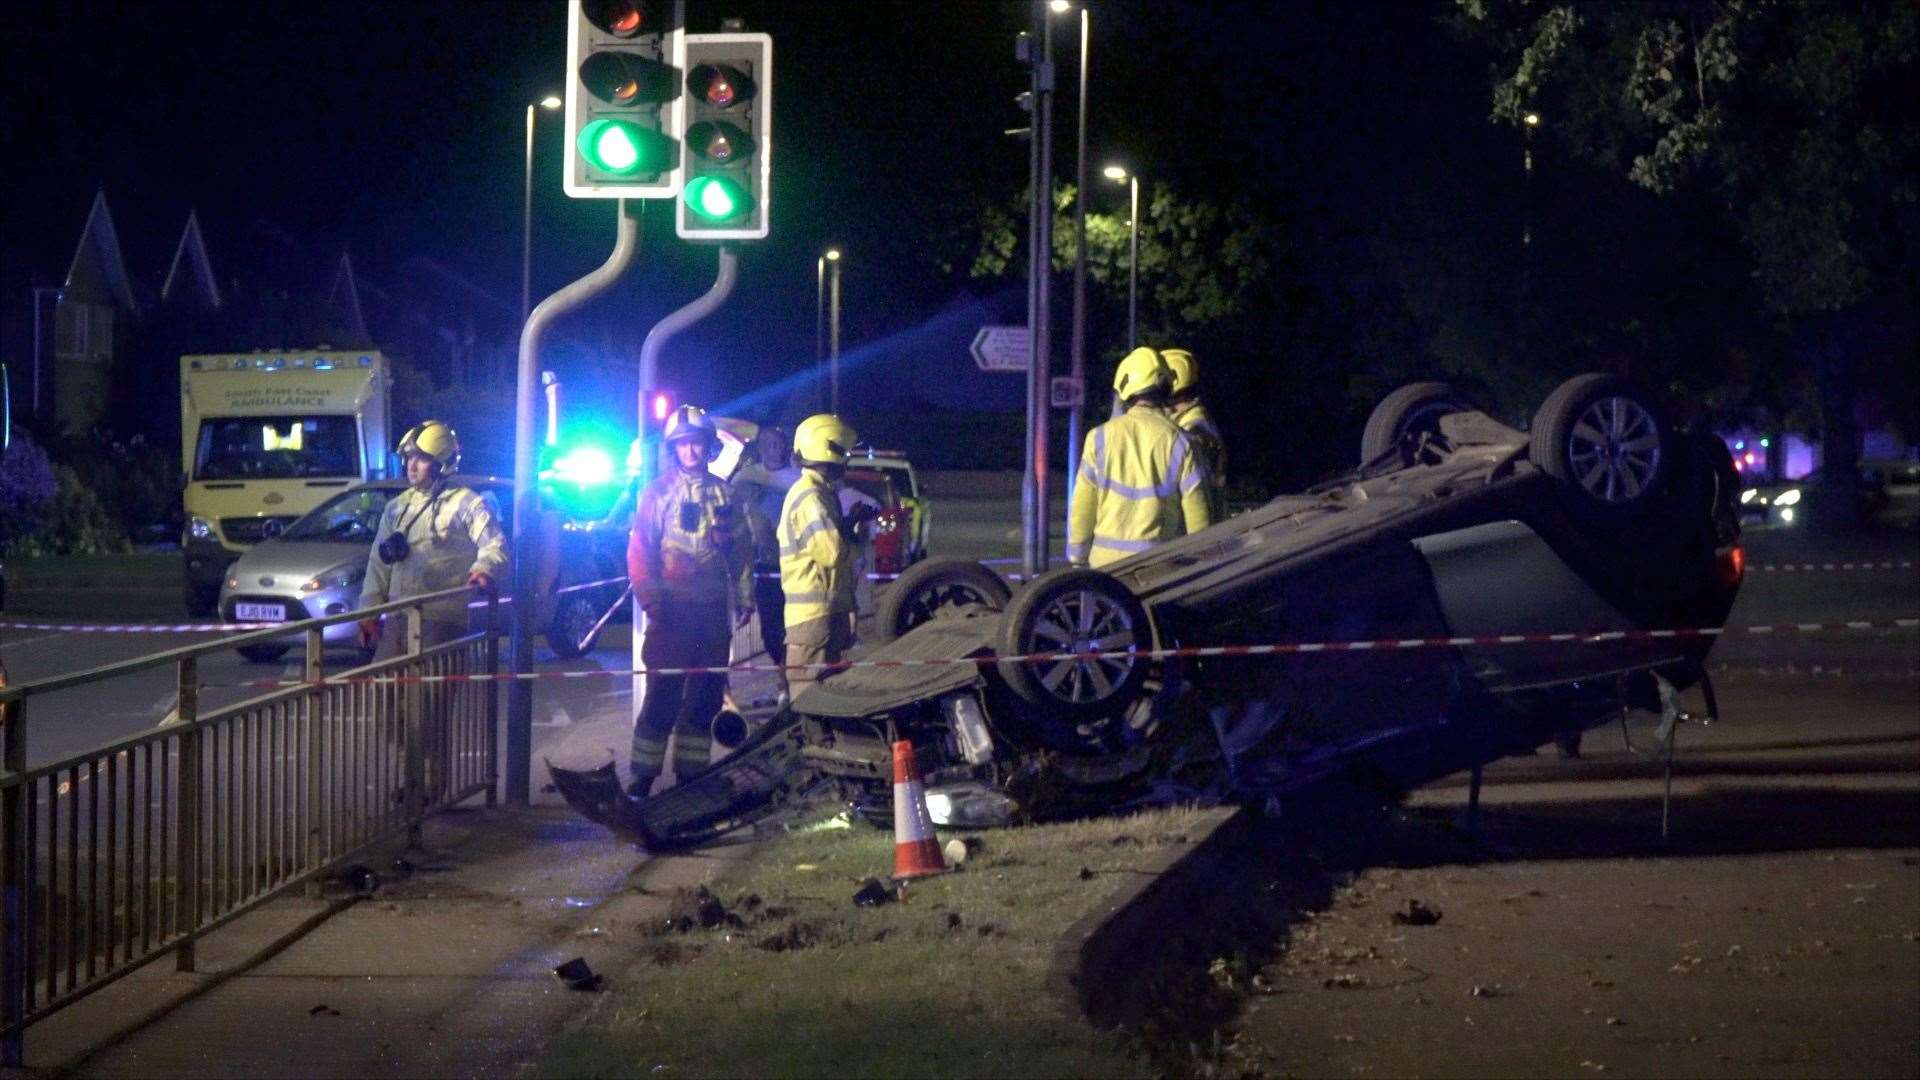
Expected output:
{"points": [[369, 633], [481, 580]]}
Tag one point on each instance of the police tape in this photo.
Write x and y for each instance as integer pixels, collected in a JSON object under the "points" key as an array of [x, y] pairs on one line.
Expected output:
{"points": [[1807, 568], [1188, 652]]}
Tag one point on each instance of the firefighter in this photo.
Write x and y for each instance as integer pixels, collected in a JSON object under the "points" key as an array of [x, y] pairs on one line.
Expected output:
{"points": [[816, 550], [689, 559], [1141, 481], [435, 535], [762, 484], [1183, 405]]}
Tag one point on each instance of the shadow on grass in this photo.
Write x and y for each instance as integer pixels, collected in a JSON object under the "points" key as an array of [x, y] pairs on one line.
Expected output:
{"points": [[1174, 966]]}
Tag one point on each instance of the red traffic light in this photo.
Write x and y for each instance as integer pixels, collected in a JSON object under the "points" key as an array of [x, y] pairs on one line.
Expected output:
{"points": [[721, 85], [621, 18]]}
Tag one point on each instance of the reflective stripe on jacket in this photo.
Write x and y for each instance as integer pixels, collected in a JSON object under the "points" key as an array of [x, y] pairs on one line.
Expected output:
{"points": [[1194, 419], [816, 561], [1140, 483], [689, 544], [451, 532]]}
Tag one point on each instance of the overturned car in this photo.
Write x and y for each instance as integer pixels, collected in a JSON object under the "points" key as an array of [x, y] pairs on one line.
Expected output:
{"points": [[1469, 591]]}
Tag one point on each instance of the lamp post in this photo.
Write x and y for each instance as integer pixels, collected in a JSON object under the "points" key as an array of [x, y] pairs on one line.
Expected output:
{"points": [[1078, 360], [550, 102], [1121, 176], [824, 349]]}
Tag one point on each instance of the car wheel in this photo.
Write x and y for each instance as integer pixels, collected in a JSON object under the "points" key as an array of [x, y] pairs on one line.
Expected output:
{"points": [[1413, 409], [573, 617], [1606, 441], [264, 654], [1071, 611], [936, 587]]}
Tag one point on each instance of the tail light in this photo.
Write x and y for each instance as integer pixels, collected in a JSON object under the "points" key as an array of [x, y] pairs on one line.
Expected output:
{"points": [[890, 541], [1731, 564]]}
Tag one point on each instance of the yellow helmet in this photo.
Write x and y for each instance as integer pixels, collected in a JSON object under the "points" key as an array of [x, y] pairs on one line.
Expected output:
{"points": [[824, 439], [434, 439], [1186, 370], [691, 422], [1141, 371]]}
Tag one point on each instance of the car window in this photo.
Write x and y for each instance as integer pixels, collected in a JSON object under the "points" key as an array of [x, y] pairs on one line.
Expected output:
{"points": [[349, 517], [874, 485], [277, 447]]}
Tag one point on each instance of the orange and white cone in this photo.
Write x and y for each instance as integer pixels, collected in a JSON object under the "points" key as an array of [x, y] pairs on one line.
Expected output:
{"points": [[915, 852]]}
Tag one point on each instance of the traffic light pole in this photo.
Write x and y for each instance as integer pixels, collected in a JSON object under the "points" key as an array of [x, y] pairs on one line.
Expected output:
{"points": [[664, 331], [1039, 322], [626, 244]]}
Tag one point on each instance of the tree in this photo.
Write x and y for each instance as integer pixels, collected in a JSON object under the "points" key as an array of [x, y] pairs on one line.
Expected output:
{"points": [[1797, 117], [1200, 262]]}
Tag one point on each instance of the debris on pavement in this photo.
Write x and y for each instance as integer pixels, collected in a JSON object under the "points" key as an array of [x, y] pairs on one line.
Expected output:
{"points": [[873, 893], [323, 1009], [360, 879], [577, 975]]}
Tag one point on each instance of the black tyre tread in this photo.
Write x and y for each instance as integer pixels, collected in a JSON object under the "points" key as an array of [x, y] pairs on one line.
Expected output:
{"points": [[1022, 678], [1383, 429], [263, 654], [1554, 420], [891, 607]]}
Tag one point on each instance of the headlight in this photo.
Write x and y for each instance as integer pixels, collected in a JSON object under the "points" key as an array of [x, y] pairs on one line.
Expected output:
{"points": [[1789, 497], [1786, 515], [199, 528], [333, 579], [233, 582], [1747, 496], [940, 807], [969, 723]]}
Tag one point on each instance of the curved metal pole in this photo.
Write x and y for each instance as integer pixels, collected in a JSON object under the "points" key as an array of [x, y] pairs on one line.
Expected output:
{"points": [[664, 331], [626, 245]]}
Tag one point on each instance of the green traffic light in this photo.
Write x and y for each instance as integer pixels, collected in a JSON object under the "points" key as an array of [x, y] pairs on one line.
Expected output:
{"points": [[718, 199], [624, 148]]}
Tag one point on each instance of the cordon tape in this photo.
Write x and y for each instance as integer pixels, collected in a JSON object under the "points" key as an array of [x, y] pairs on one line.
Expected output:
{"points": [[1593, 637]]}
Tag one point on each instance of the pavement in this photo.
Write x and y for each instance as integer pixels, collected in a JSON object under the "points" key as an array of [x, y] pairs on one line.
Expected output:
{"points": [[443, 970]]}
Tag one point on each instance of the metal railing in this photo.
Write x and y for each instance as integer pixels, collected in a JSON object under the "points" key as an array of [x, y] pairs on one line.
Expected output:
{"points": [[114, 857]]}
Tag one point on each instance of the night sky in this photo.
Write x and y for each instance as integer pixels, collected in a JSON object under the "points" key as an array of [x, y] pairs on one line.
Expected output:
{"points": [[396, 130]]}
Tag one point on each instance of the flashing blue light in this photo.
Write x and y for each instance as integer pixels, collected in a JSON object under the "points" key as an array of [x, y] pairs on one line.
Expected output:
{"points": [[585, 466], [1739, 444], [323, 365], [1764, 443]]}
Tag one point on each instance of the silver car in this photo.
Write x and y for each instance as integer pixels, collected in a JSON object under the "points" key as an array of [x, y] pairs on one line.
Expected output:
{"points": [[314, 568]]}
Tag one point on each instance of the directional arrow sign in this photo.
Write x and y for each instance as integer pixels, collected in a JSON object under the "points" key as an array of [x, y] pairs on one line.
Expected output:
{"points": [[1002, 348]]}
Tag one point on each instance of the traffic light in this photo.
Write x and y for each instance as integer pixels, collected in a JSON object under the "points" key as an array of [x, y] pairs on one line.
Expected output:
{"points": [[624, 106], [728, 137]]}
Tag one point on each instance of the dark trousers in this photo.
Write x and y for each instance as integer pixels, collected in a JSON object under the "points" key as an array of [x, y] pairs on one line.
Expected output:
{"points": [[681, 706], [771, 604]]}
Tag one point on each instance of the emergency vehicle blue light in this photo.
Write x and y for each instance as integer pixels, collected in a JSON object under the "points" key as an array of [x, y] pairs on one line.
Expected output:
{"points": [[322, 365]]}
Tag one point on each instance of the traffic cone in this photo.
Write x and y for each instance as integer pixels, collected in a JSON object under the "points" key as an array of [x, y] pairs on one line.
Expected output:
{"points": [[915, 852]]}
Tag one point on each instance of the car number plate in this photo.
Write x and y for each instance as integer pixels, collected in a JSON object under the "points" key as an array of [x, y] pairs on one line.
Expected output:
{"points": [[260, 612]]}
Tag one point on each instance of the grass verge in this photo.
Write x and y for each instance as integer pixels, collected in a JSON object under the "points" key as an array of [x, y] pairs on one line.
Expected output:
{"points": [[776, 972]]}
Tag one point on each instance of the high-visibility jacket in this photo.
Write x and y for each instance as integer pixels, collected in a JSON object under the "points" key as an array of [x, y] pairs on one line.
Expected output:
{"points": [[1140, 483], [689, 544], [816, 560], [1194, 419], [452, 532]]}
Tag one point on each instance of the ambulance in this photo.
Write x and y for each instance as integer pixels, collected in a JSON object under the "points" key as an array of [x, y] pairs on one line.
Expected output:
{"points": [[266, 437]]}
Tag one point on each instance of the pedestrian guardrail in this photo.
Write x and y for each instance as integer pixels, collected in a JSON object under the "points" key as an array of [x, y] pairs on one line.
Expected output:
{"points": [[112, 858]]}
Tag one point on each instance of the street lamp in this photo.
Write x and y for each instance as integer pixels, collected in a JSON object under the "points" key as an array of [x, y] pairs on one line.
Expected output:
{"points": [[823, 347], [1121, 176], [549, 103]]}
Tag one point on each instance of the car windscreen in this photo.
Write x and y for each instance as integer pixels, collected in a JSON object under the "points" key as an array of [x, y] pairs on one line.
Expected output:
{"points": [[874, 485], [351, 517], [277, 447]]}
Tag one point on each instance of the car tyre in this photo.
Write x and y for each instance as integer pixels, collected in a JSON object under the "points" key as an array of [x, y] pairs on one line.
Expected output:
{"points": [[1414, 408], [263, 654], [1066, 611], [573, 617], [1607, 442], [936, 587]]}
